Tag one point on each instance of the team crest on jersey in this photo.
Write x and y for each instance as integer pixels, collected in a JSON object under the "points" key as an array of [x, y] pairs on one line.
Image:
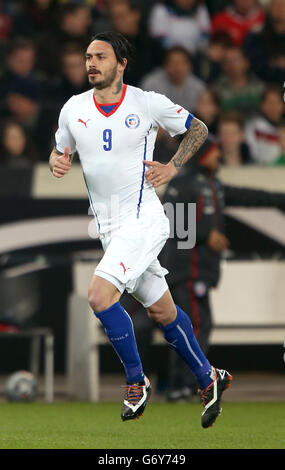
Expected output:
{"points": [[132, 121]]}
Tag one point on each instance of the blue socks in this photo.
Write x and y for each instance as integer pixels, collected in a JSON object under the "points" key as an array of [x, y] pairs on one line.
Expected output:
{"points": [[180, 336], [119, 329]]}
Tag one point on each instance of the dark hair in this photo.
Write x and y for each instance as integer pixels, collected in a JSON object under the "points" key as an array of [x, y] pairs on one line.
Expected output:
{"points": [[71, 8], [235, 47], [271, 88], [214, 95], [29, 150], [19, 44], [134, 5], [232, 116], [175, 50], [71, 48], [222, 38], [122, 48]]}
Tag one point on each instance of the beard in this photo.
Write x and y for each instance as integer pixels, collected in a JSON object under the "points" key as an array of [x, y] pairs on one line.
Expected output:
{"points": [[100, 82]]}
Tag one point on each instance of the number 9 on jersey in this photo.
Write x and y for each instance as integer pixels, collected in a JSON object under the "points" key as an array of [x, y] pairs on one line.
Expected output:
{"points": [[107, 138]]}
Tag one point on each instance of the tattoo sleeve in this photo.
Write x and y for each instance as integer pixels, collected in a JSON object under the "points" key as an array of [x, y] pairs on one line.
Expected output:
{"points": [[192, 141]]}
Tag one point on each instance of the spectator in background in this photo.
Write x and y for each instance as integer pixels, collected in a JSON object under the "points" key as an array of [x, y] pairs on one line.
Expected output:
{"points": [[234, 150], [208, 109], [74, 79], [23, 105], [266, 49], [126, 18], [238, 88], [281, 134], [73, 25], [262, 131], [20, 64], [191, 282], [20, 74], [183, 23], [238, 19], [100, 17], [35, 16], [23, 100], [208, 63], [175, 79], [16, 149]]}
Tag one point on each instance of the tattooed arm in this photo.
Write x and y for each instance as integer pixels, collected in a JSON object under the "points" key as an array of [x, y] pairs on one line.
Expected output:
{"points": [[193, 139]]}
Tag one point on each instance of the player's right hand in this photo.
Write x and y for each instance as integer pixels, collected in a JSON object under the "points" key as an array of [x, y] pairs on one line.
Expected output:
{"points": [[62, 164]]}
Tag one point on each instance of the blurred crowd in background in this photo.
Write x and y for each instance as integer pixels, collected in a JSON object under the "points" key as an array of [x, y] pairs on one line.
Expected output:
{"points": [[222, 60]]}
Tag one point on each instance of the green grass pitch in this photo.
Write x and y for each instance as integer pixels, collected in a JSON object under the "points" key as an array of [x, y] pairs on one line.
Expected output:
{"points": [[72, 425]]}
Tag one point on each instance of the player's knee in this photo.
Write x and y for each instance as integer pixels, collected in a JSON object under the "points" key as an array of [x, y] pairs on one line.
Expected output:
{"points": [[94, 299], [102, 294], [98, 301]]}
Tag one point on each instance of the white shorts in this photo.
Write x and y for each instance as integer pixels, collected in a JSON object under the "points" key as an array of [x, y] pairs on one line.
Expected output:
{"points": [[130, 260]]}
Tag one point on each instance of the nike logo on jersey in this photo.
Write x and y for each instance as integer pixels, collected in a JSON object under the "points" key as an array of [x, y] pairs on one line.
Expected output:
{"points": [[123, 266], [83, 122], [179, 110]]}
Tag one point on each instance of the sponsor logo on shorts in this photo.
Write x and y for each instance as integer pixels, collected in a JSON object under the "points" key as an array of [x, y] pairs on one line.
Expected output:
{"points": [[123, 266], [132, 121]]}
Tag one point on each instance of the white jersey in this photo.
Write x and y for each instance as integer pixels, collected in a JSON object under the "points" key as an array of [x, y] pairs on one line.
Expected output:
{"points": [[112, 147]]}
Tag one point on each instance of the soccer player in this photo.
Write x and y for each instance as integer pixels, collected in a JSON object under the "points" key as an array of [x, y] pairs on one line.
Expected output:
{"points": [[113, 128]]}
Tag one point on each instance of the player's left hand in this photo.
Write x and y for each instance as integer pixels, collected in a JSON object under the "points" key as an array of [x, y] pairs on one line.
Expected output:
{"points": [[159, 173]]}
